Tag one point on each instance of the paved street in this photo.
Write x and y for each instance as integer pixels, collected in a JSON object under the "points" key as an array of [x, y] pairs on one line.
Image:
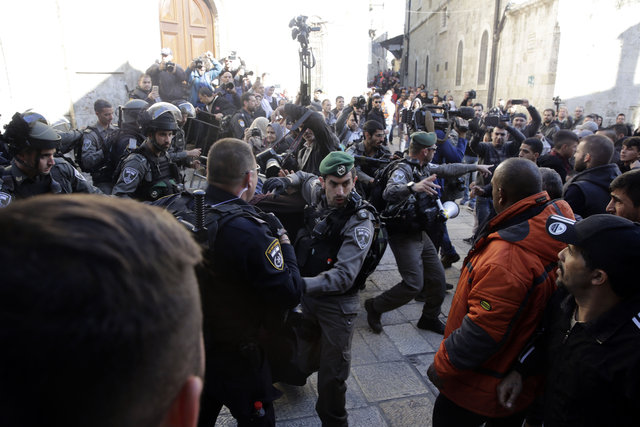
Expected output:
{"points": [[388, 385]]}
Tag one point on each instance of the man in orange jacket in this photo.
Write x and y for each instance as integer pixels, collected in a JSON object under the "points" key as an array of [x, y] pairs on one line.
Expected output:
{"points": [[507, 279]]}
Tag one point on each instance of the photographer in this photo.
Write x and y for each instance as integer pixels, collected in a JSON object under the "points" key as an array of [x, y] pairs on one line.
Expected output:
{"points": [[492, 153], [255, 135], [201, 73], [366, 152], [168, 76], [519, 120]]}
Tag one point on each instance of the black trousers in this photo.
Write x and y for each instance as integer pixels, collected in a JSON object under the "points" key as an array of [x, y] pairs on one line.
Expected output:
{"points": [[448, 414]]}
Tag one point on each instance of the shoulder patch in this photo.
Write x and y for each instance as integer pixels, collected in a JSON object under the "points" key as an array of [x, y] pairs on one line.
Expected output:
{"points": [[362, 236], [129, 174], [274, 255], [398, 176], [5, 199], [78, 175], [133, 143], [241, 122], [86, 144], [486, 305]]}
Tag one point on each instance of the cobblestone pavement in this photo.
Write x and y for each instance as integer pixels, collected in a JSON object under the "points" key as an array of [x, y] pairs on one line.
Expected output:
{"points": [[388, 385]]}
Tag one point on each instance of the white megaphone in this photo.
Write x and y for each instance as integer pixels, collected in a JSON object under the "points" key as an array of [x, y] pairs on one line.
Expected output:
{"points": [[448, 209]]}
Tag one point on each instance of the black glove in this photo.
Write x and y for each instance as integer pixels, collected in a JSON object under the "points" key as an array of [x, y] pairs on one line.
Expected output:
{"points": [[276, 185], [275, 226]]}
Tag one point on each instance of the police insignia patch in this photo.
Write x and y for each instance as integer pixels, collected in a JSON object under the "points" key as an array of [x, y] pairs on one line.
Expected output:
{"points": [[274, 255], [5, 199], [363, 236], [398, 176], [86, 144], [241, 122], [78, 175], [129, 174]]}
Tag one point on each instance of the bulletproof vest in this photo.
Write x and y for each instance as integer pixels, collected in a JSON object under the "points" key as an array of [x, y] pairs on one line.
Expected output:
{"points": [[418, 212], [53, 183], [164, 177], [318, 243]]}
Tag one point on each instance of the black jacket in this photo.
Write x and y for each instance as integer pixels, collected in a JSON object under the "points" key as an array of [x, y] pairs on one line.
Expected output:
{"points": [[593, 368], [588, 191]]}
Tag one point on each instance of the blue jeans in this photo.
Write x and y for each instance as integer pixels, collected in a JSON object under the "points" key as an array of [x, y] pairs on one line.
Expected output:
{"points": [[484, 206], [470, 177]]}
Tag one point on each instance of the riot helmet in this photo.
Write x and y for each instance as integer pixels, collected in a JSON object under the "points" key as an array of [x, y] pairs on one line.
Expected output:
{"points": [[31, 116], [131, 110], [22, 136], [186, 108], [160, 116]]}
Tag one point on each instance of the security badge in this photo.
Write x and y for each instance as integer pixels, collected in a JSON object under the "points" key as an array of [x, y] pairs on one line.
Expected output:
{"points": [[362, 236], [129, 174], [274, 255], [86, 144], [398, 176], [5, 199]]}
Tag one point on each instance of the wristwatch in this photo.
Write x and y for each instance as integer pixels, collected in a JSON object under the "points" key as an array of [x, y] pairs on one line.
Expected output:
{"points": [[410, 187]]}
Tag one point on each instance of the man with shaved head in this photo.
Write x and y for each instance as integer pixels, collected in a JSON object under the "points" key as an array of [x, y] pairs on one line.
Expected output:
{"points": [[508, 277]]}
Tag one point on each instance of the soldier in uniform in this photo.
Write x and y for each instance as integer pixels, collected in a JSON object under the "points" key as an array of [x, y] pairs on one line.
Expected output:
{"points": [[244, 117], [330, 259], [34, 169], [409, 196], [148, 173], [250, 276], [94, 152]]}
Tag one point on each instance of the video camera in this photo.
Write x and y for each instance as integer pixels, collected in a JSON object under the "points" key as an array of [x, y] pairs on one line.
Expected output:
{"points": [[171, 66], [301, 29], [495, 116], [443, 116], [271, 162]]}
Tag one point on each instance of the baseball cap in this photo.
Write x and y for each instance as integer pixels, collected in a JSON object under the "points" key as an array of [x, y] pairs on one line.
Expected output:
{"points": [[165, 51], [610, 243]]}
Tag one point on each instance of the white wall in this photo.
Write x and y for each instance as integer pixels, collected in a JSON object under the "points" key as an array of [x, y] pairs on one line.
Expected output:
{"points": [[55, 54], [598, 57]]}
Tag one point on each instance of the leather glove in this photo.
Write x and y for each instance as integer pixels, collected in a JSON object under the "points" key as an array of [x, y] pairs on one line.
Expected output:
{"points": [[277, 185], [275, 226]]}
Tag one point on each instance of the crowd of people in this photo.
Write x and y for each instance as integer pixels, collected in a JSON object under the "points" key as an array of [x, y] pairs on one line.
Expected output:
{"points": [[117, 317]]}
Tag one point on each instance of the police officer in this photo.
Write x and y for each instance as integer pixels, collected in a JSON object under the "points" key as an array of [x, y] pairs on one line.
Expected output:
{"points": [[371, 147], [251, 275], [411, 208], [148, 173], [178, 151], [244, 117], [33, 169], [129, 135], [93, 155], [340, 232]]}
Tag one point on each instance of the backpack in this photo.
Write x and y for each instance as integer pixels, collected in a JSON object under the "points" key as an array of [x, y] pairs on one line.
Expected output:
{"points": [[112, 137]]}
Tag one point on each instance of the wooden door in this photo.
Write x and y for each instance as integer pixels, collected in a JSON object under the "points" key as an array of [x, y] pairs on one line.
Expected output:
{"points": [[186, 26]]}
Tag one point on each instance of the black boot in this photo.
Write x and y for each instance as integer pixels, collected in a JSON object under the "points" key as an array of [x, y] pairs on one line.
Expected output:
{"points": [[373, 317], [434, 325]]}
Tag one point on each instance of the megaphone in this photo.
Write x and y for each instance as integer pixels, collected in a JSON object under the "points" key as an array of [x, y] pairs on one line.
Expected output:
{"points": [[448, 209]]}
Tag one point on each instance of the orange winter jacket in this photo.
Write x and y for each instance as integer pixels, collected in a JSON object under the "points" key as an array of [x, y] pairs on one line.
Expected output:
{"points": [[505, 283]]}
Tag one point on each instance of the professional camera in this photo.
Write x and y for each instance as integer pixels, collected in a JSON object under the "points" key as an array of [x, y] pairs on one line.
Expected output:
{"points": [[171, 66], [198, 64], [472, 93], [270, 162], [256, 132], [442, 116], [361, 102], [301, 29], [229, 86], [495, 116]]}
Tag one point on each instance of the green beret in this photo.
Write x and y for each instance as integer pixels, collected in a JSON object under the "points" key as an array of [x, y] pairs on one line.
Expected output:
{"points": [[337, 163], [424, 139]]}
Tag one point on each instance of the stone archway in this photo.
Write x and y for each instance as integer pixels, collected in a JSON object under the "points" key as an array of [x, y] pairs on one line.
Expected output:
{"points": [[187, 27]]}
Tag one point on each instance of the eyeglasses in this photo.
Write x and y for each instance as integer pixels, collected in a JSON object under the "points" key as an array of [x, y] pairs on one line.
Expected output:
{"points": [[257, 169]]}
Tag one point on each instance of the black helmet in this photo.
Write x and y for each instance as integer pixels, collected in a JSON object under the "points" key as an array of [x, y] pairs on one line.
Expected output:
{"points": [[160, 116], [186, 108], [31, 116], [21, 135], [131, 110]]}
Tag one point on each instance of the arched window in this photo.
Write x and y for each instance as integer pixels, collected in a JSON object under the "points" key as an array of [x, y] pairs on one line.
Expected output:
{"points": [[482, 64], [459, 65], [426, 72]]}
